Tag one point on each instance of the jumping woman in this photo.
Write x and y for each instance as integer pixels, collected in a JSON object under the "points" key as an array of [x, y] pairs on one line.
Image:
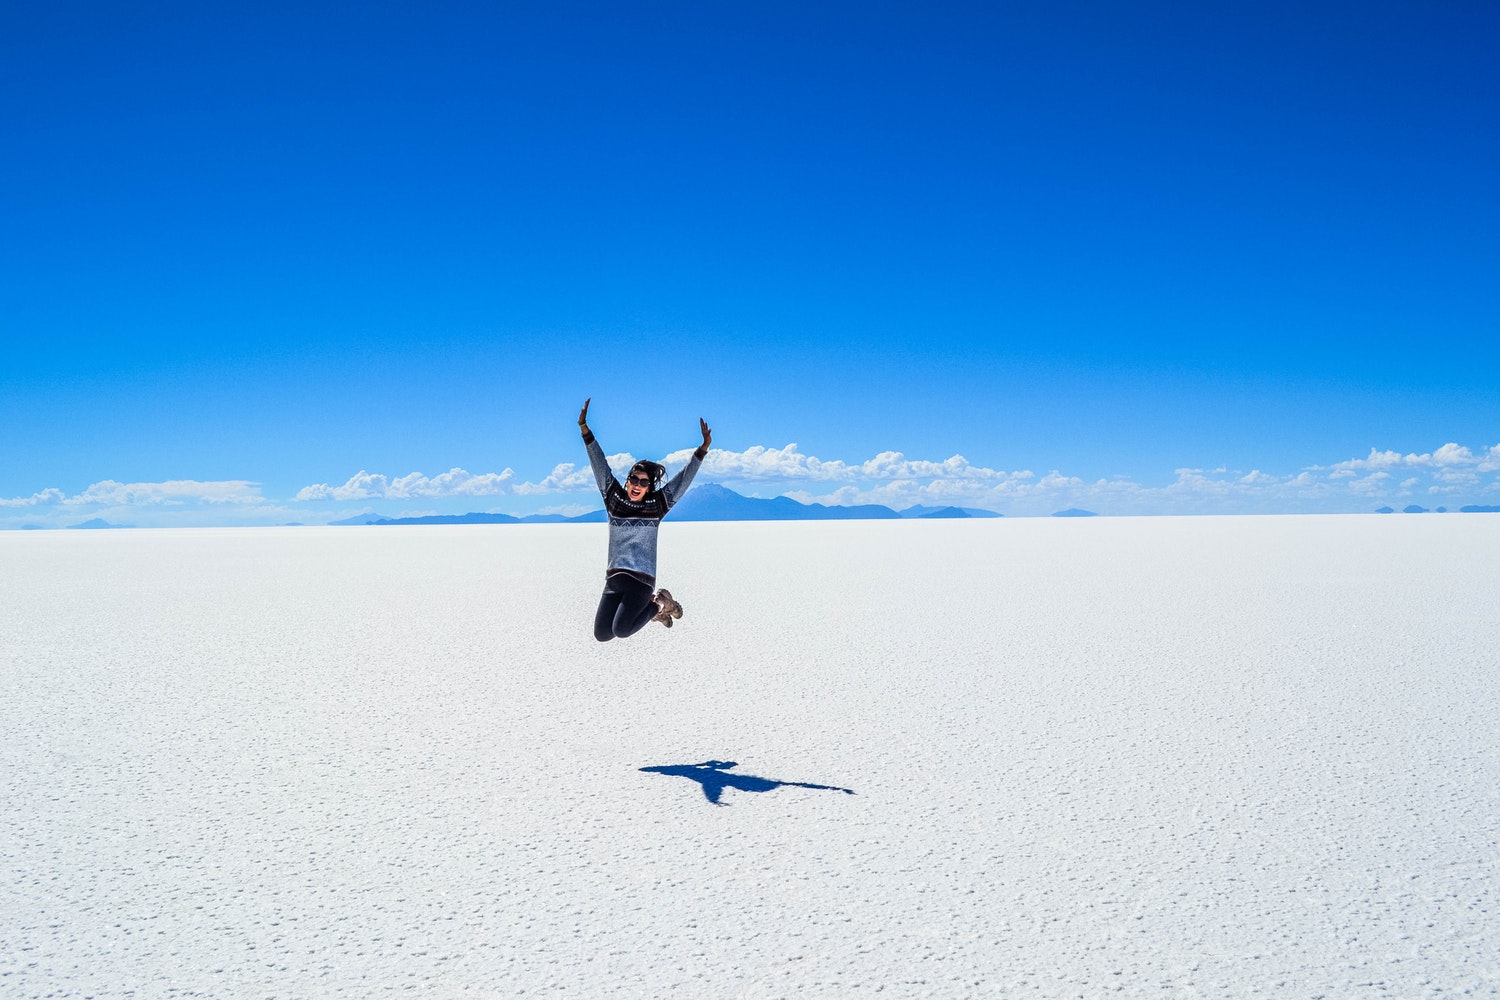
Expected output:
{"points": [[635, 512]]}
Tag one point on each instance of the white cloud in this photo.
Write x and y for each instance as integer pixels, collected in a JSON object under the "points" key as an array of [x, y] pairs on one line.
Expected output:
{"points": [[375, 486], [365, 485], [761, 463], [174, 492], [46, 498], [1453, 454], [360, 486], [1370, 485], [453, 483], [1450, 455], [565, 478], [1055, 480], [1457, 476]]}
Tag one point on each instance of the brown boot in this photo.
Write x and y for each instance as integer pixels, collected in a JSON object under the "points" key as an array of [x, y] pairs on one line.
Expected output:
{"points": [[668, 603], [662, 615]]}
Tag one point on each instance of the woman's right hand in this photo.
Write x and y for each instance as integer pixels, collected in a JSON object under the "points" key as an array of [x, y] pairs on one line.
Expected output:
{"points": [[583, 414]]}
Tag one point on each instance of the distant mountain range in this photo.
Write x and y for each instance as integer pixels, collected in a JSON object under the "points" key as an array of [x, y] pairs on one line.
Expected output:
{"points": [[707, 502]]}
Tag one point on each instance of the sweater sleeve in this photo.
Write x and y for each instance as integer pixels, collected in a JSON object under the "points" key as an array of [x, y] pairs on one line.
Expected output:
{"points": [[678, 484], [603, 476]]}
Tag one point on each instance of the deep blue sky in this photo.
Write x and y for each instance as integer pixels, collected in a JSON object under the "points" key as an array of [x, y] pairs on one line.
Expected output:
{"points": [[285, 243]]}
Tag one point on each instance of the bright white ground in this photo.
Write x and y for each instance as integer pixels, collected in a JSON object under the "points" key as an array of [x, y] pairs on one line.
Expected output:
{"points": [[1216, 757]]}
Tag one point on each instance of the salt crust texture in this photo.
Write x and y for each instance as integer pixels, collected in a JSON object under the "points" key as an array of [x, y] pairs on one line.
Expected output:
{"points": [[1197, 757]]}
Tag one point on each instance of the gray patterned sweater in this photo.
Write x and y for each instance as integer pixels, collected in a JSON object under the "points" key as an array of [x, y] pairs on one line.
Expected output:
{"points": [[633, 526]]}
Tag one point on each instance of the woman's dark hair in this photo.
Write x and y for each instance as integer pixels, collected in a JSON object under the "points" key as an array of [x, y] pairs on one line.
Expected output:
{"points": [[654, 470]]}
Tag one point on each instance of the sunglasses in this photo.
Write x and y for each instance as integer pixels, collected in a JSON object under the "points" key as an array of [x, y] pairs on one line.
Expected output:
{"points": [[639, 481]]}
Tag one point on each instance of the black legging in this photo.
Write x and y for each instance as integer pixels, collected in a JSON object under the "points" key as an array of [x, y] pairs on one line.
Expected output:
{"points": [[624, 609]]}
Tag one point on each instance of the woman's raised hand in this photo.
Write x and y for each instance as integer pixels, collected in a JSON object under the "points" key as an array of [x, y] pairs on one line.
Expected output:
{"points": [[583, 414], [708, 435]]}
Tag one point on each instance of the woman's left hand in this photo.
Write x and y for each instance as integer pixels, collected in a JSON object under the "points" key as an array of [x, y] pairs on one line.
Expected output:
{"points": [[708, 435]]}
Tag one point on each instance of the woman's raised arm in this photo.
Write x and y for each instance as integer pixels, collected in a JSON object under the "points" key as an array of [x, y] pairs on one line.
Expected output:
{"points": [[708, 437]]}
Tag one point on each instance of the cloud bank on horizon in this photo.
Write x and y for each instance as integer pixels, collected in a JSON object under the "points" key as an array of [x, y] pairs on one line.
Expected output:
{"points": [[1452, 474]]}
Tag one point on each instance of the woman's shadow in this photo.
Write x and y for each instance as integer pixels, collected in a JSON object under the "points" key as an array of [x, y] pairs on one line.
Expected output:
{"points": [[714, 777]]}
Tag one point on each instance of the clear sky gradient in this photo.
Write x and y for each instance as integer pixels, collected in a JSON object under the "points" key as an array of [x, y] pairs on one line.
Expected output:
{"points": [[253, 250]]}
